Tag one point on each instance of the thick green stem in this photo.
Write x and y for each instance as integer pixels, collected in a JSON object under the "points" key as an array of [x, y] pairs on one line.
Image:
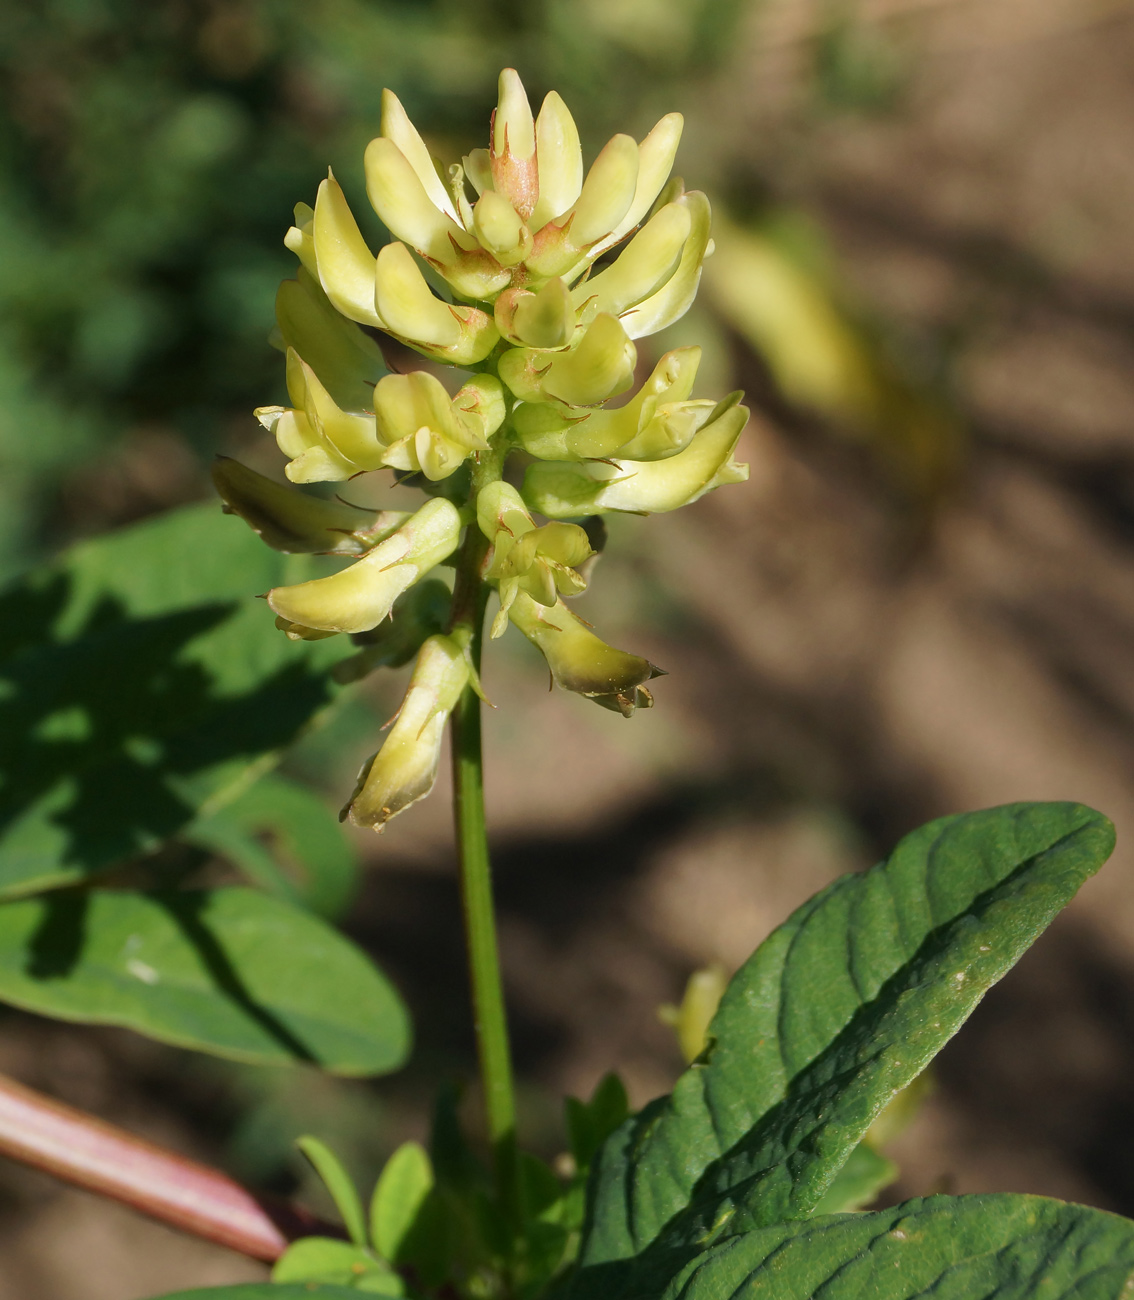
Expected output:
{"points": [[470, 595]]}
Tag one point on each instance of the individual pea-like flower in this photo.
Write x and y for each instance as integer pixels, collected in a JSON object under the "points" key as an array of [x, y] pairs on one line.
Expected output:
{"points": [[414, 425], [420, 428], [541, 278], [580, 661], [565, 491], [359, 598], [405, 768], [540, 562]]}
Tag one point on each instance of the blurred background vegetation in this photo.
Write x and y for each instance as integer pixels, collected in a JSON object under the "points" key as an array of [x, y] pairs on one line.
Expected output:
{"points": [[923, 601]]}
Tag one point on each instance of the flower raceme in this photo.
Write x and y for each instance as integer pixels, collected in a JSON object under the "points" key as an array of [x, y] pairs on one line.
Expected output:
{"points": [[504, 266]]}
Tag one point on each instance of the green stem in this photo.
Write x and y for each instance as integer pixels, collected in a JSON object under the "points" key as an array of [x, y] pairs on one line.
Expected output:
{"points": [[470, 596]]}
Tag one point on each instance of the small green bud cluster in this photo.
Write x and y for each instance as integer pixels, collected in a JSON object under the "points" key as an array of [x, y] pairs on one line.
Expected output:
{"points": [[490, 272]]}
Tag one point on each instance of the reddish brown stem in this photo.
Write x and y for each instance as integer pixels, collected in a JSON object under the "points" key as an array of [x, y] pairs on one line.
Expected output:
{"points": [[94, 1155]]}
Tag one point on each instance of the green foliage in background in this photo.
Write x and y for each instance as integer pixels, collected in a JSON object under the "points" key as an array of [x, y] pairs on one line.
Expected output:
{"points": [[143, 696]]}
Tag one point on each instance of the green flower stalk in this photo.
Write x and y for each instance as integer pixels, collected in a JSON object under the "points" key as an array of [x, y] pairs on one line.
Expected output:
{"points": [[491, 270], [506, 269]]}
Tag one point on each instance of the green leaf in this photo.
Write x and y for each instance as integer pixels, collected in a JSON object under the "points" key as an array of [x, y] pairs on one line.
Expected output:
{"points": [[302, 832], [340, 1184], [399, 1195], [228, 971], [590, 1123], [950, 1247], [858, 1182], [141, 682], [322, 1259], [836, 1011]]}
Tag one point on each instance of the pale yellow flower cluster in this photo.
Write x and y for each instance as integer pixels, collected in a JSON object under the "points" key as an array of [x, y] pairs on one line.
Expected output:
{"points": [[492, 271]]}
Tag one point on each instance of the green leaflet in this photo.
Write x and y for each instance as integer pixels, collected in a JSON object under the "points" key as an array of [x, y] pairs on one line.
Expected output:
{"points": [[399, 1197], [228, 971], [950, 1247], [837, 1010], [340, 1185], [140, 681]]}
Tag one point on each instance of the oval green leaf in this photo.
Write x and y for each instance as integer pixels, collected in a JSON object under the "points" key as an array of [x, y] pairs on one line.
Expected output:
{"points": [[227, 971], [840, 1008]]}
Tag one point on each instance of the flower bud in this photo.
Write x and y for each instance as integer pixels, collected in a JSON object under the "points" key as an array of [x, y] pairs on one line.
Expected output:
{"points": [[397, 127], [675, 297], [540, 562], [500, 230], [515, 171], [345, 262], [425, 431], [405, 768], [599, 367], [408, 308], [347, 361], [579, 660], [655, 161], [400, 199], [360, 597], [540, 320], [644, 265], [291, 521], [644, 487], [604, 200], [560, 161]]}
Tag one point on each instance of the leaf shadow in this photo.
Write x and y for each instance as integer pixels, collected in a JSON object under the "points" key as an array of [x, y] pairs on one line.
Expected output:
{"points": [[106, 729], [189, 911]]}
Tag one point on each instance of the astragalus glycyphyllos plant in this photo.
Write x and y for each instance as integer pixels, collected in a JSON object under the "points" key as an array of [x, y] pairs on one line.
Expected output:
{"points": [[531, 280]]}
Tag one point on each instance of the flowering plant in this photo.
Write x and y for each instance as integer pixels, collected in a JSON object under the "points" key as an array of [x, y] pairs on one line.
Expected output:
{"points": [[751, 1175]]}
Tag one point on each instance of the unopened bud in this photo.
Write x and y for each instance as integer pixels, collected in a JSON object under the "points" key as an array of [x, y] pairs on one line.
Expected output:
{"points": [[515, 171], [675, 297], [361, 596], [604, 200], [405, 768], [644, 265], [344, 261], [500, 229], [396, 126], [408, 308], [560, 161], [291, 521]]}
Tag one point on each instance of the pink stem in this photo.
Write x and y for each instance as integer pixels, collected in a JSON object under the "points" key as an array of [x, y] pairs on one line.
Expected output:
{"points": [[94, 1155]]}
